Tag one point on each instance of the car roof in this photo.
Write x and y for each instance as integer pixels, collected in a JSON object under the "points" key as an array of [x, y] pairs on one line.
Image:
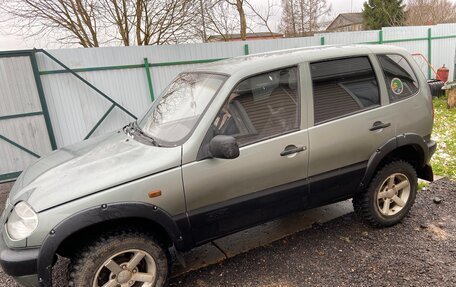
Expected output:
{"points": [[255, 63]]}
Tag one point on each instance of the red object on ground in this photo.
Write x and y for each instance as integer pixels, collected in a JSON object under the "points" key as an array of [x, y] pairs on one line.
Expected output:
{"points": [[442, 74]]}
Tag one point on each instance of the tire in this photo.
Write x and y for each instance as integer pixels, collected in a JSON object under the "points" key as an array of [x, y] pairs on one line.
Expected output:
{"points": [[390, 195], [123, 259]]}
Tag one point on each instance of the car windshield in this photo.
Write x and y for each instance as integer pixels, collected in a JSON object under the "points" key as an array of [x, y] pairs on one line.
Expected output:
{"points": [[176, 112]]}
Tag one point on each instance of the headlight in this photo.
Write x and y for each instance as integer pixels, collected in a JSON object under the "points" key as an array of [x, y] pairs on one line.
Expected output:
{"points": [[21, 222]]}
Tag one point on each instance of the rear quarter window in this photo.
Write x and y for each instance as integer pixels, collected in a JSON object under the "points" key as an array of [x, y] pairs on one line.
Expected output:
{"points": [[401, 81]]}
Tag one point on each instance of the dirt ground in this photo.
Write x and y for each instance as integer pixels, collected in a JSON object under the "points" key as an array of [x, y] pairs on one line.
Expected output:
{"points": [[421, 251]]}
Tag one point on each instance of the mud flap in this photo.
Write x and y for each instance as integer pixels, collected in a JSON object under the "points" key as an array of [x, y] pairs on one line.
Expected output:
{"points": [[426, 173]]}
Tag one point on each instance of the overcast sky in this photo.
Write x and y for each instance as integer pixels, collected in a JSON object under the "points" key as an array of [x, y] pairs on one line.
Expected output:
{"points": [[13, 42]]}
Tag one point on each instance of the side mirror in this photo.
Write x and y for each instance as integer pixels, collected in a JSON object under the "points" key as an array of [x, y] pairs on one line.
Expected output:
{"points": [[223, 147]]}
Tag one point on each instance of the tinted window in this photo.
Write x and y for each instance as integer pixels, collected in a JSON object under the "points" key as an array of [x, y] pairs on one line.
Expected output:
{"points": [[261, 107], [400, 80], [342, 87]]}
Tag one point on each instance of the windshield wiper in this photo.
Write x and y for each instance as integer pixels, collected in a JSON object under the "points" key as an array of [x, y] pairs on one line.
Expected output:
{"points": [[137, 130], [128, 129]]}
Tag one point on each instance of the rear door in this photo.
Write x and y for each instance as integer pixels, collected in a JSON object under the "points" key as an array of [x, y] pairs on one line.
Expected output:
{"points": [[268, 178], [349, 124]]}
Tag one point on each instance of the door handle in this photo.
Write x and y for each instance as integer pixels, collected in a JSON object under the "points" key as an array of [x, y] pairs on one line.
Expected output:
{"points": [[291, 149], [379, 125]]}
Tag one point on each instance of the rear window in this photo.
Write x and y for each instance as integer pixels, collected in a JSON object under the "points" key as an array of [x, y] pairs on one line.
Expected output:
{"points": [[342, 87], [401, 81]]}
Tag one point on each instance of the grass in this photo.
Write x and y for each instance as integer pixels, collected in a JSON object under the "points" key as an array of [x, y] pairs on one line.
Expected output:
{"points": [[444, 133], [422, 184]]}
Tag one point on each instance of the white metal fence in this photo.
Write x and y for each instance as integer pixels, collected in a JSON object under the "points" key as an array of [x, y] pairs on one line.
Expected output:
{"points": [[133, 76]]}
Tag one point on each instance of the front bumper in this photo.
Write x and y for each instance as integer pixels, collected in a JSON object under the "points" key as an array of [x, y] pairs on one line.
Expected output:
{"points": [[20, 263]]}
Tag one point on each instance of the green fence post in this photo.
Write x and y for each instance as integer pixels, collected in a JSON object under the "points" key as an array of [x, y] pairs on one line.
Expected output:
{"points": [[246, 49], [39, 87], [322, 40], [149, 79], [429, 39], [380, 37]]}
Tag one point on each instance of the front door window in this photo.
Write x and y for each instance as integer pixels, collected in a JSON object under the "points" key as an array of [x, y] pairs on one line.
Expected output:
{"points": [[260, 107]]}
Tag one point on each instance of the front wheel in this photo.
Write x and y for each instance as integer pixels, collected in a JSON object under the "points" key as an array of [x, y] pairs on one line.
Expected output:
{"points": [[389, 196], [120, 260]]}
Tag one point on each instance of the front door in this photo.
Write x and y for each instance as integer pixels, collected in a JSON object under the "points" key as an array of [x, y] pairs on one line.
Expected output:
{"points": [[268, 179]]}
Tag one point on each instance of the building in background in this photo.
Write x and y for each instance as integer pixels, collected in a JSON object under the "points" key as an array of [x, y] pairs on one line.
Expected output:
{"points": [[250, 36], [346, 22]]}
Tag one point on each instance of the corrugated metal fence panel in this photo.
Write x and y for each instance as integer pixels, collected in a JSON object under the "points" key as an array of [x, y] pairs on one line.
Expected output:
{"points": [[118, 56], [419, 46], [281, 44], [443, 50], [75, 108], [350, 37], [398, 33], [416, 47], [18, 95], [17, 98], [29, 132]]}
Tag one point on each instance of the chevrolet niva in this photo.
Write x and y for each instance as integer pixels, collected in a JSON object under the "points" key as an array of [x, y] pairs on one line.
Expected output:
{"points": [[227, 146]]}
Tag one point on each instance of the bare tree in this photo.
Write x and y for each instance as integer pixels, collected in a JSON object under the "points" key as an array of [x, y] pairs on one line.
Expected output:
{"points": [[247, 11], [76, 20], [219, 18], [223, 18], [239, 4], [302, 17], [163, 21], [429, 12], [203, 21], [118, 14], [94, 22], [261, 15]]}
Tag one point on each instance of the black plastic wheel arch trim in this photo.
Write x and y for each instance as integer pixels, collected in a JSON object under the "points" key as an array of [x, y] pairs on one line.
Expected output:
{"points": [[406, 139], [100, 214]]}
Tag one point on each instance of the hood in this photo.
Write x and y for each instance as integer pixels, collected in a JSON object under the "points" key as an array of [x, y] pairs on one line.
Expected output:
{"points": [[90, 166]]}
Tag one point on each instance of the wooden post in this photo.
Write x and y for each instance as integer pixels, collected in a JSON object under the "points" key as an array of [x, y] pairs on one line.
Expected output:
{"points": [[451, 99]]}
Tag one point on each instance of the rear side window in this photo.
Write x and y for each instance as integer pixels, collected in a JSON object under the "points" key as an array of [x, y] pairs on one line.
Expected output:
{"points": [[342, 87], [401, 81]]}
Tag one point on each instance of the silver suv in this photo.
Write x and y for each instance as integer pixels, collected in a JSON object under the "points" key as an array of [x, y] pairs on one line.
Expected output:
{"points": [[227, 146]]}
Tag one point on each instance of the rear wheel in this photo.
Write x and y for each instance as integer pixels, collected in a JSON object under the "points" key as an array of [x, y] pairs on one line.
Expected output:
{"points": [[389, 196], [120, 260]]}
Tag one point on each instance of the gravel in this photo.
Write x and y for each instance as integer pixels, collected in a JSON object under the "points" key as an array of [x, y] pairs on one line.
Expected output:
{"points": [[420, 251]]}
